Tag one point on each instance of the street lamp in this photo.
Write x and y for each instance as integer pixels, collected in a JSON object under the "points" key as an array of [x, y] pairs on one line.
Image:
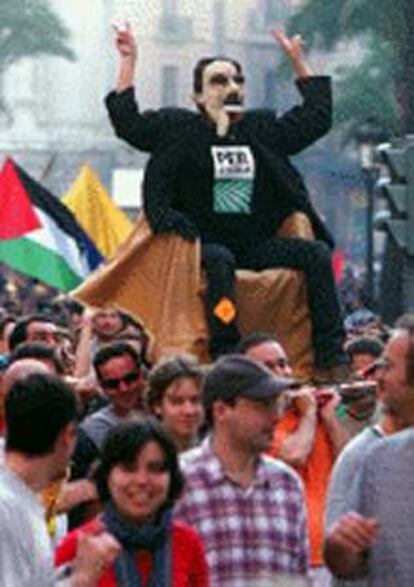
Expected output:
{"points": [[367, 137]]}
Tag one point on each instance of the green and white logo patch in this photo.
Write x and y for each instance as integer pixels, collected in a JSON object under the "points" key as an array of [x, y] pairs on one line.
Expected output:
{"points": [[232, 196], [234, 170]]}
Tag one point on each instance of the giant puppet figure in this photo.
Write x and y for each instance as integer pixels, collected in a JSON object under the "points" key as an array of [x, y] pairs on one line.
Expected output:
{"points": [[223, 175]]}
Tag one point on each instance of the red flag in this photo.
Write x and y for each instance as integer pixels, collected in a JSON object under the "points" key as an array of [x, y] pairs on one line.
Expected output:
{"points": [[17, 216]]}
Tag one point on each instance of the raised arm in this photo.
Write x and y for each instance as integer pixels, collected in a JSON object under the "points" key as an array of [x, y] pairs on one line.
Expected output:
{"points": [[307, 122], [127, 48], [292, 47], [338, 434], [148, 130], [296, 446]]}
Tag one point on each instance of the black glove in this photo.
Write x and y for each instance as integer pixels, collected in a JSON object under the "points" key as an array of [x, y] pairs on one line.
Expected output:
{"points": [[177, 223]]}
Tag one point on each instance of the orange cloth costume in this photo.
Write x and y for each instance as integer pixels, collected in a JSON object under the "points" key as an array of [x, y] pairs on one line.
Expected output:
{"points": [[158, 280], [315, 474]]}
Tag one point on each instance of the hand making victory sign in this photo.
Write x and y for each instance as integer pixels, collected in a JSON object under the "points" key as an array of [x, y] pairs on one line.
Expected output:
{"points": [[293, 49]]}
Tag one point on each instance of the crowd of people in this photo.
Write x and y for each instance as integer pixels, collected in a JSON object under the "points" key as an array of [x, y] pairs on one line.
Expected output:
{"points": [[177, 473], [121, 471]]}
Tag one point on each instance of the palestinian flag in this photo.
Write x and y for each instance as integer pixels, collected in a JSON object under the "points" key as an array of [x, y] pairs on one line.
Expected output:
{"points": [[39, 236]]}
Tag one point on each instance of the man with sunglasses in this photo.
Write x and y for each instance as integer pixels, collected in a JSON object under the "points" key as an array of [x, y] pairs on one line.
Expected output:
{"points": [[223, 175], [118, 369]]}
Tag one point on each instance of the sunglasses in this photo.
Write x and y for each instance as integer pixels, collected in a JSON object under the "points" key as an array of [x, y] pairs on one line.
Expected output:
{"points": [[115, 382], [220, 79]]}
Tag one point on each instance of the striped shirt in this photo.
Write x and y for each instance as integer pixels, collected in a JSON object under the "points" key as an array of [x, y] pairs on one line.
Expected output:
{"points": [[248, 533]]}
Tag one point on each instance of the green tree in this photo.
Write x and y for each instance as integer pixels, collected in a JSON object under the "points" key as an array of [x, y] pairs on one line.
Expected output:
{"points": [[29, 28], [381, 85]]}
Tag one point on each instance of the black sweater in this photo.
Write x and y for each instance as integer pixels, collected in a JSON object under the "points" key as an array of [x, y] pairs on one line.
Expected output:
{"points": [[179, 174]]}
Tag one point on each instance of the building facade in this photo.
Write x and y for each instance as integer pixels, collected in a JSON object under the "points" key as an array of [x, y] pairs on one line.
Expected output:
{"points": [[58, 117]]}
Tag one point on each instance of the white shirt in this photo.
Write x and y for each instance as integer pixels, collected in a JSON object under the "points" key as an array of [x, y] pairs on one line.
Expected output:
{"points": [[26, 558]]}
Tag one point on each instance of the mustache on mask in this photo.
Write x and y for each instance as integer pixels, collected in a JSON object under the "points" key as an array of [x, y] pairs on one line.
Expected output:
{"points": [[233, 98], [233, 103]]}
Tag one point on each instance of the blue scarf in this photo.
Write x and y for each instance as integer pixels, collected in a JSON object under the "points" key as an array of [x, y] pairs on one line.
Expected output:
{"points": [[154, 536]]}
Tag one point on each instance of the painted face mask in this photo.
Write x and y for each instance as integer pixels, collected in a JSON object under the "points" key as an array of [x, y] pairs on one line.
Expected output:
{"points": [[222, 94]]}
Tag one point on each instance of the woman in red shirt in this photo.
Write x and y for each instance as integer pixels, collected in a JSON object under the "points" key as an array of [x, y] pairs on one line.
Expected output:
{"points": [[138, 482]]}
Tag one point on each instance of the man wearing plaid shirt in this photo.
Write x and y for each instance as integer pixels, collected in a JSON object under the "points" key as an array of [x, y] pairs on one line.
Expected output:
{"points": [[248, 508]]}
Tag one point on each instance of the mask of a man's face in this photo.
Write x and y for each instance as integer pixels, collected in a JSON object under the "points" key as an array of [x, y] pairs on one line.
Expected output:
{"points": [[222, 89]]}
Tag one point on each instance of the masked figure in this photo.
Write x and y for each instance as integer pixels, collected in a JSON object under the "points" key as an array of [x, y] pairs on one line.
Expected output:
{"points": [[223, 175]]}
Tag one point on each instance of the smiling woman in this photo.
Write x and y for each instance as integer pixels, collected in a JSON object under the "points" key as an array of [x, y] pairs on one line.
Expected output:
{"points": [[138, 482]]}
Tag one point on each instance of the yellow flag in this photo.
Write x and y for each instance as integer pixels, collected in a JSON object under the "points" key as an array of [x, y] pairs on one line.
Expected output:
{"points": [[106, 225]]}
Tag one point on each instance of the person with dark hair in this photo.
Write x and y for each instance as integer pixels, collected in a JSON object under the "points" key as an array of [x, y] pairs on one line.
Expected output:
{"points": [[40, 414], [28, 408], [138, 482], [34, 328], [39, 351], [223, 175], [248, 508], [307, 436], [11, 373], [114, 350], [362, 353], [118, 369], [369, 534], [61, 496], [264, 348], [174, 396]]}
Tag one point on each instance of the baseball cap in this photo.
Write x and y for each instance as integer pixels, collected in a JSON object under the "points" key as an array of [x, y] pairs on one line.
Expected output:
{"points": [[235, 376]]}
